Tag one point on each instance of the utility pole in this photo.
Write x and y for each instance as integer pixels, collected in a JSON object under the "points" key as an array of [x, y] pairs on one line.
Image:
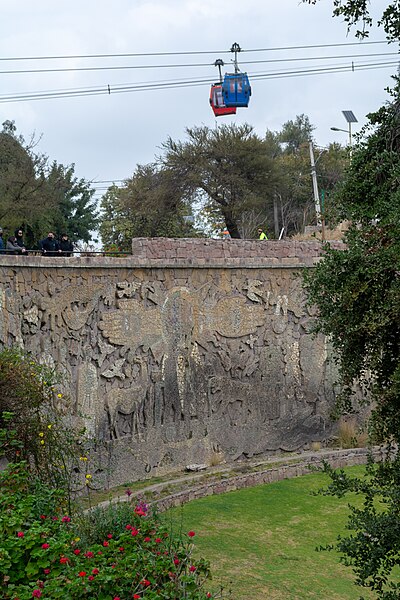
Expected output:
{"points": [[320, 220]]}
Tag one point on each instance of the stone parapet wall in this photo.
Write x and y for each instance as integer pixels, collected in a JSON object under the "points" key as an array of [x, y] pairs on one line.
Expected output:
{"points": [[227, 252]]}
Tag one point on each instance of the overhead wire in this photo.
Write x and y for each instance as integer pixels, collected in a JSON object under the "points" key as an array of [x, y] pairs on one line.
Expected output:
{"points": [[105, 89], [185, 65], [192, 52]]}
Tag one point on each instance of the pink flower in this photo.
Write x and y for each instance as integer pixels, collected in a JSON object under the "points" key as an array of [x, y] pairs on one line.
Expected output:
{"points": [[95, 572], [191, 533], [36, 594], [77, 551], [20, 534], [105, 543], [66, 519], [147, 539], [90, 577], [128, 527], [192, 568], [158, 540], [46, 571], [55, 518], [45, 546], [109, 536]]}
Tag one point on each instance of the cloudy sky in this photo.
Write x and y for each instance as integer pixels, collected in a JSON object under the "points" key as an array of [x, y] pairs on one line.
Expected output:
{"points": [[172, 45]]}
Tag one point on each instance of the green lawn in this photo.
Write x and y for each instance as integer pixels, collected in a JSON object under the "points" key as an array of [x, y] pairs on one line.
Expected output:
{"points": [[261, 541]]}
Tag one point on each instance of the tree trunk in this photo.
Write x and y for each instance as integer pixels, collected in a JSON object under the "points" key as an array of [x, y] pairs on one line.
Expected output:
{"points": [[231, 226]]}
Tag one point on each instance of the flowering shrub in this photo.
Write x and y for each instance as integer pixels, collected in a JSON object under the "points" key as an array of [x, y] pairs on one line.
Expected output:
{"points": [[50, 551], [43, 556]]}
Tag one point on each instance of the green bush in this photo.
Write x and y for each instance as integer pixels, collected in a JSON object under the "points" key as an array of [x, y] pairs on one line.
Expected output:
{"points": [[48, 549]]}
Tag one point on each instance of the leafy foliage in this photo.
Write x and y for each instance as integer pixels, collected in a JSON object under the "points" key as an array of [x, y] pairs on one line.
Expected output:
{"points": [[150, 204], [356, 12], [39, 198], [357, 292]]}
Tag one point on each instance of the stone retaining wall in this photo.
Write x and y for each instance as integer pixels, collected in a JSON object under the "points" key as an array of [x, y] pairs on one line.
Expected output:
{"points": [[187, 349], [338, 459]]}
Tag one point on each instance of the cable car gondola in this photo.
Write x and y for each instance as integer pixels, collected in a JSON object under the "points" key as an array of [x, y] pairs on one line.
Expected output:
{"points": [[236, 89], [217, 102]]}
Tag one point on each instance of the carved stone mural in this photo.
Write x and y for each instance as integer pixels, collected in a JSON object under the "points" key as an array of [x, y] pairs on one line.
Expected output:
{"points": [[165, 365]]}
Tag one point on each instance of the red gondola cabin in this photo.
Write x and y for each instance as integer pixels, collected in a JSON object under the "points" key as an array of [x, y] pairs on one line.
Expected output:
{"points": [[217, 102]]}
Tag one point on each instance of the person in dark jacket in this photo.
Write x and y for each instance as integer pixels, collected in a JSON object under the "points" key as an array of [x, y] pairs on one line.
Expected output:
{"points": [[1, 240], [65, 246], [19, 236], [12, 246], [49, 246]]}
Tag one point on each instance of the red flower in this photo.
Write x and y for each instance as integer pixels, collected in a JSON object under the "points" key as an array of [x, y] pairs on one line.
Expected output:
{"points": [[176, 561], [191, 533], [66, 519], [77, 551], [192, 568], [140, 512], [145, 582], [95, 572], [158, 540], [121, 549], [147, 539], [82, 574], [89, 554], [36, 594], [20, 534], [209, 595], [46, 571], [43, 517], [90, 577], [128, 527], [55, 518], [134, 531], [135, 596], [105, 543], [118, 598], [45, 546], [64, 560], [109, 536]]}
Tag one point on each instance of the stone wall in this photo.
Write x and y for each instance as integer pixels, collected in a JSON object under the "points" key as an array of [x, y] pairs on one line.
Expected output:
{"points": [[177, 354]]}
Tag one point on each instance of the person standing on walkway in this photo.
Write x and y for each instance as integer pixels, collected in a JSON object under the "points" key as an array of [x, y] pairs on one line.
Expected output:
{"points": [[261, 234], [65, 246], [19, 236], [49, 246]]}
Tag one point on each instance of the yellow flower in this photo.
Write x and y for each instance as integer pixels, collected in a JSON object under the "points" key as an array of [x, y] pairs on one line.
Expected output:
{"points": [[88, 476], [42, 442], [77, 539], [84, 458], [59, 395], [49, 426], [41, 434]]}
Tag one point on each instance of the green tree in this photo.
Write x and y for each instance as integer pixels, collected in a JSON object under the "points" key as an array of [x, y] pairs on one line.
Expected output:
{"points": [[357, 292], [226, 170], [75, 211], [149, 204], [355, 12], [39, 198], [23, 192]]}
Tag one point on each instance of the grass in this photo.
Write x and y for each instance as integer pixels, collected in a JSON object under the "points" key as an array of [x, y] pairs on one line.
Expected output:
{"points": [[261, 541]]}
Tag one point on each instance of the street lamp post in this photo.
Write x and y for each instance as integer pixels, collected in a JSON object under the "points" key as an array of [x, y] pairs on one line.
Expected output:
{"points": [[350, 118]]}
